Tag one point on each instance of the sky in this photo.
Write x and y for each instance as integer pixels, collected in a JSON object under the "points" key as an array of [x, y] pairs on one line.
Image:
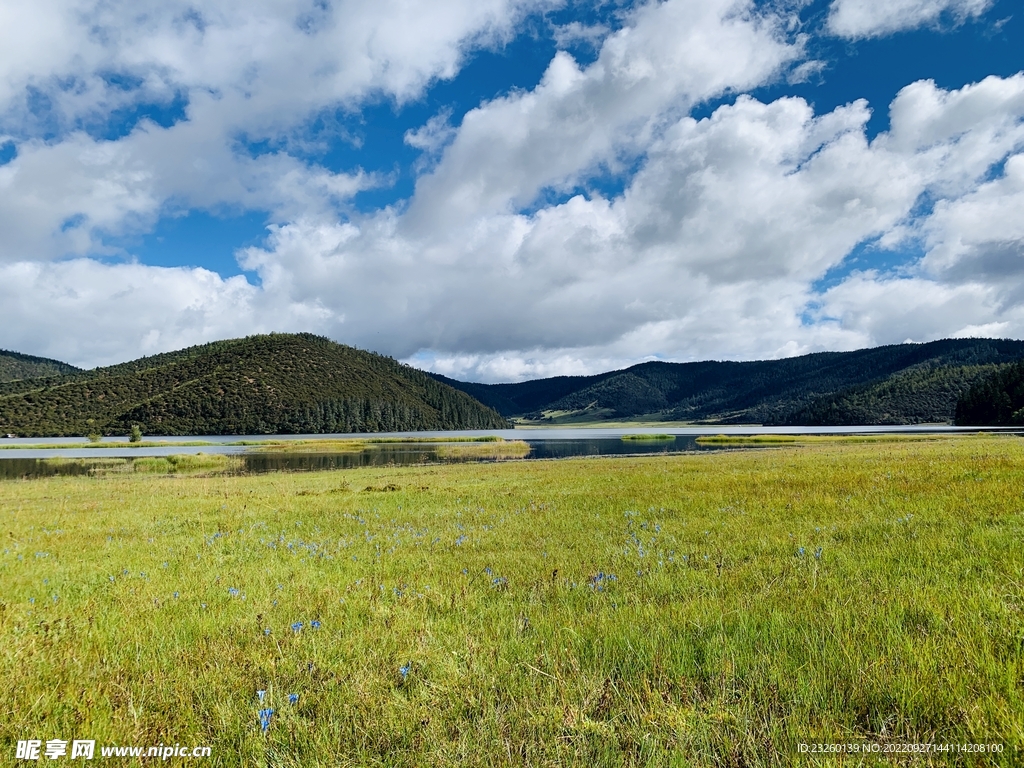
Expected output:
{"points": [[500, 190]]}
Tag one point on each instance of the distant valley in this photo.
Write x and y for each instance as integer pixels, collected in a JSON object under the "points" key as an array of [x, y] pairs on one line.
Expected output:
{"points": [[896, 384], [301, 383]]}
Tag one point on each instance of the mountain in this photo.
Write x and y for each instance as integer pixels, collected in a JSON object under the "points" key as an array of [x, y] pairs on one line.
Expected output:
{"points": [[15, 366], [995, 400], [281, 383], [895, 384]]}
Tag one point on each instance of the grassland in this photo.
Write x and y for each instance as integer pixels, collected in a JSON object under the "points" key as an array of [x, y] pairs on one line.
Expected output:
{"points": [[711, 609]]}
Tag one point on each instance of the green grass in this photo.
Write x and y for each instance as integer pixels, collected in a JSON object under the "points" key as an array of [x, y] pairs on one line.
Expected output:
{"points": [[345, 445], [744, 439], [648, 437], [716, 644], [812, 439], [320, 445], [121, 444], [501, 449]]}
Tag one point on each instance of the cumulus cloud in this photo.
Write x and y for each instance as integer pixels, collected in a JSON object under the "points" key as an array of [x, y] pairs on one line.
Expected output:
{"points": [[505, 263], [712, 249], [873, 18], [244, 72], [671, 56]]}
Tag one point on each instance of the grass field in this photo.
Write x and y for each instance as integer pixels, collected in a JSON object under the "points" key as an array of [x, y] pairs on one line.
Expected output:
{"points": [[712, 609]]}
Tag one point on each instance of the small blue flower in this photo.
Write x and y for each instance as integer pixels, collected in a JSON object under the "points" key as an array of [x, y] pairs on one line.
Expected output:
{"points": [[800, 552], [32, 601], [265, 715], [175, 595], [487, 571], [315, 624], [817, 554], [293, 698], [296, 626], [404, 670], [232, 591], [266, 631], [260, 695]]}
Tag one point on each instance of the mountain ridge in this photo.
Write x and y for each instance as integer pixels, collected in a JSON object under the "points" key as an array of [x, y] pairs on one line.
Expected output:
{"points": [[277, 383], [15, 366], [891, 384]]}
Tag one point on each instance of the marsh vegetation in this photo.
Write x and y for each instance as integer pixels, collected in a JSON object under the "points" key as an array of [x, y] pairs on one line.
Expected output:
{"points": [[711, 609]]}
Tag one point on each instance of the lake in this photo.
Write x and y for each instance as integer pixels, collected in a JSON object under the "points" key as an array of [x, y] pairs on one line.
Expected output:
{"points": [[554, 443]]}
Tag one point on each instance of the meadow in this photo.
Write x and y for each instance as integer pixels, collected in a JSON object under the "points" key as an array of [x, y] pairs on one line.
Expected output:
{"points": [[687, 610]]}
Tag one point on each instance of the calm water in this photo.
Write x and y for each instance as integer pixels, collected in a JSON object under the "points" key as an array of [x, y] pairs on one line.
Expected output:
{"points": [[17, 462], [375, 455]]}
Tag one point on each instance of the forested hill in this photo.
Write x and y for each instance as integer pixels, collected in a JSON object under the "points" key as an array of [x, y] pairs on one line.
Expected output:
{"points": [[15, 366], [281, 383], [996, 400], [896, 384]]}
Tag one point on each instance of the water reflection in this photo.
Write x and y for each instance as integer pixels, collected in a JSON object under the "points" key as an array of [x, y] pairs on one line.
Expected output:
{"points": [[373, 455]]}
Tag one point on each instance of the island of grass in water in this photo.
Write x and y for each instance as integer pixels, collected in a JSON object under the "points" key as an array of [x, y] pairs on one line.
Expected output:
{"points": [[703, 609]]}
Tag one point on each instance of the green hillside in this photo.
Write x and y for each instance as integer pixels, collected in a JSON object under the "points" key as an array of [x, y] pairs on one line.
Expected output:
{"points": [[15, 366], [281, 383], [995, 400], [896, 384]]}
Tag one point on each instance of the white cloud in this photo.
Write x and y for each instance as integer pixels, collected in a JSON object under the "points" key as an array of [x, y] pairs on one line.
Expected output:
{"points": [[873, 18], [248, 71], [497, 267], [671, 56], [712, 250], [87, 313]]}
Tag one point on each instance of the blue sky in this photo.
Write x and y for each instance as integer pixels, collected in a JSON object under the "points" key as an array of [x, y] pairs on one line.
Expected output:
{"points": [[507, 189]]}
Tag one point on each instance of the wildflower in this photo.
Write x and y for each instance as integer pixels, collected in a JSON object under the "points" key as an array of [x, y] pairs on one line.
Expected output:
{"points": [[296, 626], [232, 591], [111, 578], [260, 695], [817, 554], [175, 595], [487, 570], [404, 670], [265, 715], [32, 601], [315, 624], [267, 631], [800, 552], [293, 698]]}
